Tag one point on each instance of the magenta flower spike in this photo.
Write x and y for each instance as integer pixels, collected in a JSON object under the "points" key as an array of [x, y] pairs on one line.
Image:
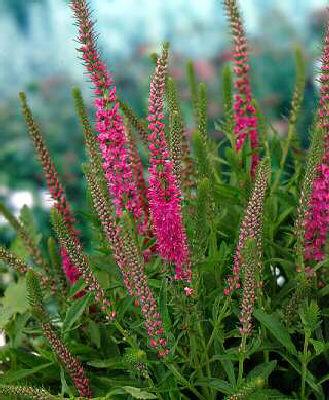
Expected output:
{"points": [[109, 123], [317, 219], [163, 193], [244, 112], [54, 186]]}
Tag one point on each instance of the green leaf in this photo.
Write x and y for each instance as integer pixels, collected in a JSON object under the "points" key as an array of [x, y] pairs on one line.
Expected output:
{"points": [[95, 334], [13, 376], [77, 287], [217, 384], [263, 370], [113, 363], [137, 393], [319, 347], [310, 379], [272, 323], [13, 302], [76, 310], [227, 365]]}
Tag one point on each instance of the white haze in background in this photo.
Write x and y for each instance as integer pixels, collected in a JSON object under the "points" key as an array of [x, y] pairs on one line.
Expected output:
{"points": [[195, 28], [2, 339]]}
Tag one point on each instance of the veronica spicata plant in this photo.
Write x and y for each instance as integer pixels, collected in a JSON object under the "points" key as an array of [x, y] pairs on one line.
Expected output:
{"points": [[204, 274]]}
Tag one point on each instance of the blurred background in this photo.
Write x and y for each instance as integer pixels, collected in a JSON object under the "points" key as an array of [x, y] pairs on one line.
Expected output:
{"points": [[37, 54]]}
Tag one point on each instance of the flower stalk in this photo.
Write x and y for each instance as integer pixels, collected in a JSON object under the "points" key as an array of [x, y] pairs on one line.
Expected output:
{"points": [[109, 123], [71, 363], [245, 115], [131, 265], [81, 261], [251, 224], [317, 220], [164, 194], [54, 186]]}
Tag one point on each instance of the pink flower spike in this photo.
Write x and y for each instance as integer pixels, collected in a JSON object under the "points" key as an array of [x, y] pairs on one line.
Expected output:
{"points": [[244, 112], [317, 219], [163, 193], [112, 138], [69, 269]]}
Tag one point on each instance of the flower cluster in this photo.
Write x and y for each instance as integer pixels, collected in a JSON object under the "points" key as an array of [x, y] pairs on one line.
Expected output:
{"points": [[25, 392], [81, 261], [244, 111], [19, 266], [163, 193], [55, 188], [250, 268], [251, 224], [38, 309], [109, 123], [317, 219], [71, 363], [131, 265]]}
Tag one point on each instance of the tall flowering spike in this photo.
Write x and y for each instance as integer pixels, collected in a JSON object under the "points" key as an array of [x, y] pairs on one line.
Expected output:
{"points": [[178, 144], [19, 266], [109, 123], [148, 304], [22, 232], [251, 225], [80, 260], [317, 218], [250, 269], [54, 186], [244, 112], [89, 136], [176, 129], [30, 245], [131, 265], [71, 363], [164, 194], [203, 106], [316, 152], [95, 157], [59, 274], [191, 77], [110, 227], [25, 392], [14, 262]]}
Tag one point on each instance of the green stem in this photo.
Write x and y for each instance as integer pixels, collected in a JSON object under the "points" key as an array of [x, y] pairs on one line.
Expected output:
{"points": [[184, 382], [304, 367], [208, 371], [217, 324], [242, 356]]}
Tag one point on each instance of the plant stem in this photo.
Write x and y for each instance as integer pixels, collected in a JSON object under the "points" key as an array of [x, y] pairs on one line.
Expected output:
{"points": [[304, 366], [242, 356], [202, 338], [217, 323], [183, 381]]}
